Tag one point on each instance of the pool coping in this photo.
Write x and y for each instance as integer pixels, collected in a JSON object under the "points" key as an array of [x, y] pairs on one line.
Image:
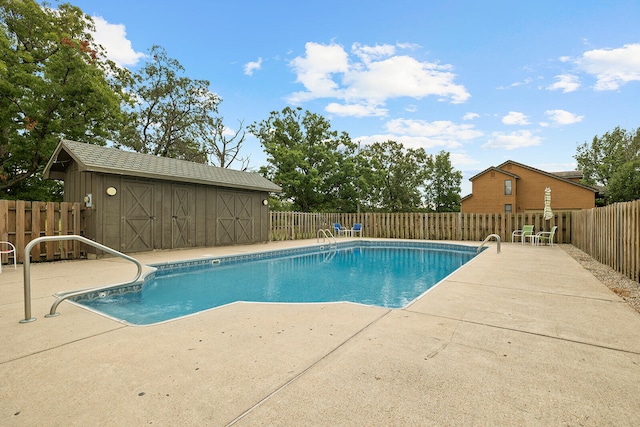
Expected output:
{"points": [[188, 264], [525, 337]]}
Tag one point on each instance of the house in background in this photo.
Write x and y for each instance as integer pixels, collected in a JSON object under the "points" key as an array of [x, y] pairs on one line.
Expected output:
{"points": [[516, 188], [138, 202]]}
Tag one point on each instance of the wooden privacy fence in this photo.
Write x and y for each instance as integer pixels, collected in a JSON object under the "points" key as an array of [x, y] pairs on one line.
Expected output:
{"points": [[430, 226], [611, 235], [21, 222]]}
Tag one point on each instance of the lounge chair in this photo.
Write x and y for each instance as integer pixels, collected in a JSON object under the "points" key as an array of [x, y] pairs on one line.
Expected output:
{"points": [[357, 228], [338, 230], [545, 236], [9, 250], [527, 230]]}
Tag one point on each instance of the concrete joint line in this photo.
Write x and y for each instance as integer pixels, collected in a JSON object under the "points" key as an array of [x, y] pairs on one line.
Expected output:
{"points": [[535, 334], [307, 369], [62, 345]]}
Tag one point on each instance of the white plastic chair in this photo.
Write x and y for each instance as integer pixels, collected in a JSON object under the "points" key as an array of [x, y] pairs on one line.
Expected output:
{"points": [[527, 230], [12, 249], [545, 236]]}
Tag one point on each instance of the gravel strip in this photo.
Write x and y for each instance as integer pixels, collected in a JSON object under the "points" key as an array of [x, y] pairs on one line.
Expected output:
{"points": [[622, 286]]}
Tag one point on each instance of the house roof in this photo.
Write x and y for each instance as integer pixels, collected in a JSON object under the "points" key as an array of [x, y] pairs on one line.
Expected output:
{"points": [[494, 169], [558, 175], [95, 158], [551, 175], [569, 174], [561, 176]]}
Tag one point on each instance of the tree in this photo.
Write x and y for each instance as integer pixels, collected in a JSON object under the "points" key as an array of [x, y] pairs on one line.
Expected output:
{"points": [[223, 147], [624, 185], [312, 163], [600, 160], [393, 175], [54, 83], [442, 192], [174, 114]]}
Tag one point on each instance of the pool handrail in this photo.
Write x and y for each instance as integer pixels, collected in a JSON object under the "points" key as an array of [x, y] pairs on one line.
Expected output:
{"points": [[326, 234], [27, 271], [487, 239]]}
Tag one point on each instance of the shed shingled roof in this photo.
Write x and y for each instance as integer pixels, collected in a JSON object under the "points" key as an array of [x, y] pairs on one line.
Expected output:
{"points": [[95, 158]]}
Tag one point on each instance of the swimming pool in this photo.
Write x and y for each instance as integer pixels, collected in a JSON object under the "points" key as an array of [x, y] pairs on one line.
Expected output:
{"points": [[385, 274]]}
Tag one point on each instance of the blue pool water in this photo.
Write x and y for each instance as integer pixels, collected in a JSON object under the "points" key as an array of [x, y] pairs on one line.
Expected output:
{"points": [[389, 277]]}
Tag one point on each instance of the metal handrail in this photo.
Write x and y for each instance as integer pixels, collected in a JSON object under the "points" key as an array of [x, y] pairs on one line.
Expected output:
{"points": [[27, 272], [487, 239], [326, 234]]}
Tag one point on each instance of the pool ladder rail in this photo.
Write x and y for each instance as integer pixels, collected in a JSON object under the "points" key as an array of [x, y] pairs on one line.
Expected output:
{"points": [[497, 237], [27, 273], [327, 235]]}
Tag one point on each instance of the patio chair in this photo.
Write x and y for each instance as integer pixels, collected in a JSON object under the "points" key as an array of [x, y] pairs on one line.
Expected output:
{"points": [[357, 228], [527, 230], [545, 236], [11, 249], [337, 228]]}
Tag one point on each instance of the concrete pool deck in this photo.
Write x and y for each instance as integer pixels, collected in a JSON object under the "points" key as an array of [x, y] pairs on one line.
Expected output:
{"points": [[526, 337]]}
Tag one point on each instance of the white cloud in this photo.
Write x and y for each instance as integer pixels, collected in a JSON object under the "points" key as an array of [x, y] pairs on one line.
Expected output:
{"points": [[470, 116], [461, 159], [566, 83], [562, 117], [522, 83], [372, 76], [409, 141], [370, 53], [442, 129], [423, 134], [612, 67], [315, 71], [250, 67], [556, 167], [355, 110], [113, 37], [515, 118], [400, 76], [512, 140]]}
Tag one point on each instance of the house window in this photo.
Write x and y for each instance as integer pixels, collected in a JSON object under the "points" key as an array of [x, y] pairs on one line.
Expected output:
{"points": [[508, 208], [507, 187]]}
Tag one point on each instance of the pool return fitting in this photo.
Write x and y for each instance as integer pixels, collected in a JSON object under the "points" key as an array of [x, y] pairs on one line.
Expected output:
{"points": [[27, 273]]}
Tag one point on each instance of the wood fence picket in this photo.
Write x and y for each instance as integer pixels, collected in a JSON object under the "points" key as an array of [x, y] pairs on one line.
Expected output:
{"points": [[610, 234]]}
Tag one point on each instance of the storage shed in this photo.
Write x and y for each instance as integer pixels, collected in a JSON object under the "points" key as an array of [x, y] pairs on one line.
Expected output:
{"points": [[139, 202]]}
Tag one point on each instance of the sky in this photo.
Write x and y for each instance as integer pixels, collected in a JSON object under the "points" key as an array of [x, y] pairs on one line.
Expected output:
{"points": [[486, 81]]}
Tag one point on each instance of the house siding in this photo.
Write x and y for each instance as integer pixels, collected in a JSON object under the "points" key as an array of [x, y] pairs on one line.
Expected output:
{"points": [[527, 192]]}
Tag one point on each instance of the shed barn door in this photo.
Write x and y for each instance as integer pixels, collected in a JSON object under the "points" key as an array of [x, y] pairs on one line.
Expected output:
{"points": [[181, 216], [138, 218], [234, 219], [244, 219]]}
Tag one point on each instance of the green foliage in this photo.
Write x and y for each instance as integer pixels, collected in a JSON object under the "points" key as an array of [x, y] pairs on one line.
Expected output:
{"points": [[442, 192], [392, 177], [624, 185], [36, 188], [54, 85], [173, 114], [308, 160], [600, 160]]}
